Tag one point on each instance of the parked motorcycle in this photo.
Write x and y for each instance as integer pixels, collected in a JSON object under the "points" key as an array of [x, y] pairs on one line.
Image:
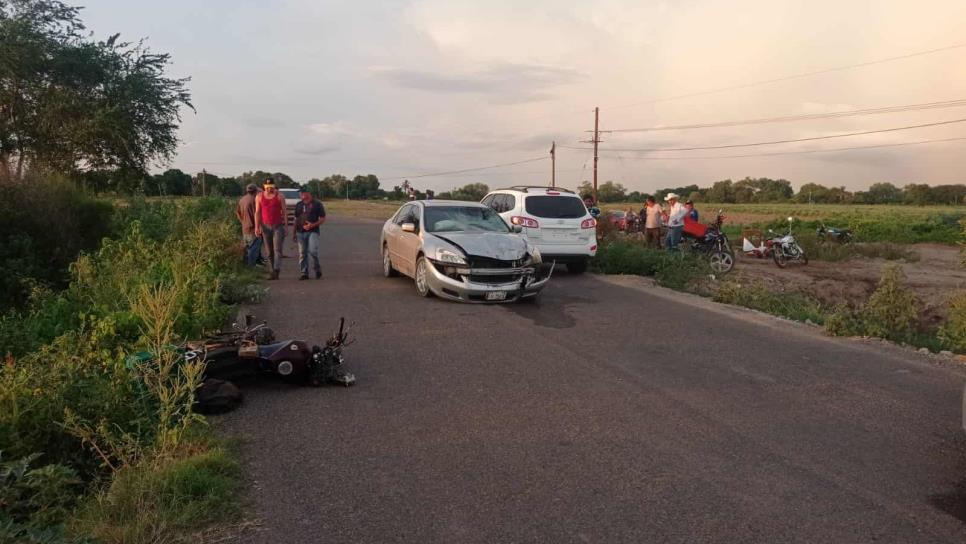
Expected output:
{"points": [[833, 234], [712, 241], [785, 248]]}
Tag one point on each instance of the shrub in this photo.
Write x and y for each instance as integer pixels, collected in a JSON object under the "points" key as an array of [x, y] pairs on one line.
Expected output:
{"points": [[675, 270], [952, 333], [756, 295], [892, 312], [34, 502]]}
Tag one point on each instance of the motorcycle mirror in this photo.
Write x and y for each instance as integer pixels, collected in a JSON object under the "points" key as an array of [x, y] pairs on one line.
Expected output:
{"points": [[790, 219], [234, 326]]}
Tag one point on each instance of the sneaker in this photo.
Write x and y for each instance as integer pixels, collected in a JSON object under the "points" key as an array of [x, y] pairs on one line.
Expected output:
{"points": [[303, 277], [318, 274]]}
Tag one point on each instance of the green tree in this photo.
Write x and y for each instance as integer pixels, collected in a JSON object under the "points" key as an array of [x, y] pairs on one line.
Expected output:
{"points": [[916, 193], [883, 193], [611, 192], [721, 191], [473, 192], [69, 103], [171, 182]]}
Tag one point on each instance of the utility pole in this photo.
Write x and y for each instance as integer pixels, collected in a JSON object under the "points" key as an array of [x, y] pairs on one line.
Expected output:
{"points": [[204, 179], [553, 165], [595, 141]]}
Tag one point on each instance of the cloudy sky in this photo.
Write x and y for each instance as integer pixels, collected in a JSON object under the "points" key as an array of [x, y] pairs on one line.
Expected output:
{"points": [[400, 88]]}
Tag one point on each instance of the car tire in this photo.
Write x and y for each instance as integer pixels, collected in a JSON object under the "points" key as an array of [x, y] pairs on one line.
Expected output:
{"points": [[387, 268], [422, 283], [578, 267]]}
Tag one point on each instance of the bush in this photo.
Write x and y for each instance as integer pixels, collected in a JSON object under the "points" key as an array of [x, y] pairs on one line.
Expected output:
{"points": [[44, 225], [34, 502], [952, 333], [756, 295], [892, 312], [675, 270]]}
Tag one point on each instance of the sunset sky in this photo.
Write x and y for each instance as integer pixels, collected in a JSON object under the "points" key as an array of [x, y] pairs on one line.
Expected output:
{"points": [[402, 88]]}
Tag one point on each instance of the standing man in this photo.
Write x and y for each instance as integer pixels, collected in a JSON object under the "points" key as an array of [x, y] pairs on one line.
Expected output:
{"points": [[245, 212], [270, 219], [692, 213], [309, 214], [675, 221], [651, 214]]}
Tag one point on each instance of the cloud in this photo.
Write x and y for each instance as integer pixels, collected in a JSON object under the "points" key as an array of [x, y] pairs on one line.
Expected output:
{"points": [[262, 122], [322, 138], [503, 82]]}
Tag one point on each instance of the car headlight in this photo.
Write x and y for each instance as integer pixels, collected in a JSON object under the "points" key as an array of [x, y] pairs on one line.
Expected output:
{"points": [[535, 254], [450, 257]]}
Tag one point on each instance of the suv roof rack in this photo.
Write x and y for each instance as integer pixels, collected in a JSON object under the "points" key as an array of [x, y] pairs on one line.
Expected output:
{"points": [[523, 188]]}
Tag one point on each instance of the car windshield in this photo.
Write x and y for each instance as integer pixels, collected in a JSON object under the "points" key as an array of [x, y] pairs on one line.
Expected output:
{"points": [[463, 218], [555, 207], [618, 214], [290, 193]]}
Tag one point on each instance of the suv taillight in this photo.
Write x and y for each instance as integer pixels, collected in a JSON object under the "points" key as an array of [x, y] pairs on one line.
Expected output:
{"points": [[588, 223], [524, 222]]}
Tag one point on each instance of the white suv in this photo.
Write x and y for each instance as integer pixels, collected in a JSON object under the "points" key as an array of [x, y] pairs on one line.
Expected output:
{"points": [[555, 220]]}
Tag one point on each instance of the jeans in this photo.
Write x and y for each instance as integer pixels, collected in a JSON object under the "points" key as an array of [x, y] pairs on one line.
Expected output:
{"points": [[652, 237], [308, 247], [253, 249], [674, 237], [273, 236]]}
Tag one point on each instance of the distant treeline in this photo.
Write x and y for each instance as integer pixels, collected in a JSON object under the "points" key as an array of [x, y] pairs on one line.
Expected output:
{"points": [[755, 190]]}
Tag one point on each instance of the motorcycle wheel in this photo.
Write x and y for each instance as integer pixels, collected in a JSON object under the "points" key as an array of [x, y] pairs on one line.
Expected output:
{"points": [[804, 258], [845, 238], [779, 256], [722, 262]]}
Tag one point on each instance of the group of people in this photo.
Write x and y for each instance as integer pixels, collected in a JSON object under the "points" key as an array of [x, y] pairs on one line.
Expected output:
{"points": [[652, 217], [263, 216]]}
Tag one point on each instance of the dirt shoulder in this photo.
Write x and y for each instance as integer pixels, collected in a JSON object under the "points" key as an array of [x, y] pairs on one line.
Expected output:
{"points": [[933, 278]]}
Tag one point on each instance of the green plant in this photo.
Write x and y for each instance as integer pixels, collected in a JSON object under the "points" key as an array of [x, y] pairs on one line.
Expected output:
{"points": [[675, 270], [892, 312], [754, 294], [952, 333], [167, 499], [35, 502]]}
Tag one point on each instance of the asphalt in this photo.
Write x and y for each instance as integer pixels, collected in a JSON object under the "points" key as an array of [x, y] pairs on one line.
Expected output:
{"points": [[602, 413]]}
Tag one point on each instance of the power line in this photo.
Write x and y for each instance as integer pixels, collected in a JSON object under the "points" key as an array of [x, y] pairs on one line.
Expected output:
{"points": [[451, 172], [791, 77], [805, 152], [788, 141], [805, 117]]}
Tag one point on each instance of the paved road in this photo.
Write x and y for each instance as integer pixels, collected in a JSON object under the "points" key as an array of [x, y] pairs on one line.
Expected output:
{"points": [[604, 413]]}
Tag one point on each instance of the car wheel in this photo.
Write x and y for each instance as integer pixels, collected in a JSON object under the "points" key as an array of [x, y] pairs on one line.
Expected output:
{"points": [[422, 277], [387, 268], [578, 267]]}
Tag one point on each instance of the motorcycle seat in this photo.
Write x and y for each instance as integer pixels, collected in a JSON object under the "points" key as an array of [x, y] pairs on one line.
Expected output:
{"points": [[270, 349]]}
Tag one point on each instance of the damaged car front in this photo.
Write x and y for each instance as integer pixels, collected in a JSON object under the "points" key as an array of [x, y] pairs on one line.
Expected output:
{"points": [[466, 252]]}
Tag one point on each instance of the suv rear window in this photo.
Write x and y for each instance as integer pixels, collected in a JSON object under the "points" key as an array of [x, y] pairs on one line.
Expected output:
{"points": [[555, 207]]}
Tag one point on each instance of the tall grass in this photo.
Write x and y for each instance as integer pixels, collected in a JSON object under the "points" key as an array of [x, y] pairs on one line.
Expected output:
{"points": [[72, 400]]}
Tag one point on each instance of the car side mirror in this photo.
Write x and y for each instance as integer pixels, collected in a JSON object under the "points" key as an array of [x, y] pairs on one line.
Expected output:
{"points": [[517, 229], [408, 227]]}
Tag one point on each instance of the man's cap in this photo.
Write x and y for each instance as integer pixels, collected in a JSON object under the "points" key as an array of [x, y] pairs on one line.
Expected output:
{"points": [[251, 188], [688, 202], [269, 181], [305, 189], [670, 196]]}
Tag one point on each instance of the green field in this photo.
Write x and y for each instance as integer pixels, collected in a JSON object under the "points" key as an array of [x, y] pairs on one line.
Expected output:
{"points": [[870, 223]]}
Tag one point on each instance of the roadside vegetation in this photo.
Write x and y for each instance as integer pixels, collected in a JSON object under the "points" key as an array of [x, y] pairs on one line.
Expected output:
{"points": [[93, 442]]}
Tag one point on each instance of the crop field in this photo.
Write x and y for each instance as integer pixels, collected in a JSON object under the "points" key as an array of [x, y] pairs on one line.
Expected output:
{"points": [[871, 223]]}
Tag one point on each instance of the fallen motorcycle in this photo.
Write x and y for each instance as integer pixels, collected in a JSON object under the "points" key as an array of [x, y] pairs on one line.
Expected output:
{"points": [[785, 248], [240, 355], [833, 234], [712, 241]]}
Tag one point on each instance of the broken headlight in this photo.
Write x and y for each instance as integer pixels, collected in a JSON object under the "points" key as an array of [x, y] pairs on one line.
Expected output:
{"points": [[449, 257]]}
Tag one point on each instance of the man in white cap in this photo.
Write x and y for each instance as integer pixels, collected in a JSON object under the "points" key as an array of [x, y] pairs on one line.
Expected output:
{"points": [[675, 221]]}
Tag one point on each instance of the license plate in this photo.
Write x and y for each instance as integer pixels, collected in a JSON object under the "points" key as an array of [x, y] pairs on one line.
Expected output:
{"points": [[496, 295]]}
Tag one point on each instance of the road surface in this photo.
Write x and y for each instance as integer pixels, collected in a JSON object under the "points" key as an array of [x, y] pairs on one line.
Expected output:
{"points": [[603, 413]]}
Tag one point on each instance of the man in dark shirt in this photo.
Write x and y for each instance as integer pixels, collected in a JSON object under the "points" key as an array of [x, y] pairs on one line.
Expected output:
{"points": [[245, 212], [309, 214]]}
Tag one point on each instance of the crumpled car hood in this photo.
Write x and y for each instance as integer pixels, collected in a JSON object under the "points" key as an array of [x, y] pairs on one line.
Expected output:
{"points": [[495, 245]]}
